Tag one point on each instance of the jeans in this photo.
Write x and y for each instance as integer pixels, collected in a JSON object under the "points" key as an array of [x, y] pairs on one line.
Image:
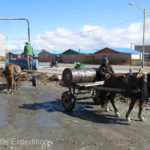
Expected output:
{"points": [[29, 59]]}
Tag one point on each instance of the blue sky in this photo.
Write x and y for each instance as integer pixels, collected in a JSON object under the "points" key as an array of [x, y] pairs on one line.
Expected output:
{"points": [[54, 22]]}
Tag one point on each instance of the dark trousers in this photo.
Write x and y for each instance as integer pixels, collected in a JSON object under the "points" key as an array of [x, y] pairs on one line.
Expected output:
{"points": [[29, 59]]}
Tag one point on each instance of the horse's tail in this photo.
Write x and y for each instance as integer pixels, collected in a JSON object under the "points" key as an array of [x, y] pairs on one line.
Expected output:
{"points": [[148, 77], [145, 88]]}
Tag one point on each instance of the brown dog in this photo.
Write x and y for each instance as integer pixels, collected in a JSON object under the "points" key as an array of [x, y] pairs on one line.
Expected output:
{"points": [[11, 74]]}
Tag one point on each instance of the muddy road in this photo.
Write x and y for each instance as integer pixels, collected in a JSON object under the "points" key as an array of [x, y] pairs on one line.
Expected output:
{"points": [[34, 119]]}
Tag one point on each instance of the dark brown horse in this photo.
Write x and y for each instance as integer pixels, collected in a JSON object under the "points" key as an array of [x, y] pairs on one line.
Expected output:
{"points": [[128, 82], [11, 75]]}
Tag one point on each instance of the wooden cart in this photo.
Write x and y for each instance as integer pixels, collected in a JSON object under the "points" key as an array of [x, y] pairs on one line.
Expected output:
{"points": [[94, 88]]}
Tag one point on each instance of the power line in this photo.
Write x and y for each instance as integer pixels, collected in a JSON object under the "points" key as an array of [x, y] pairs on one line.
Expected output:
{"points": [[124, 22]]}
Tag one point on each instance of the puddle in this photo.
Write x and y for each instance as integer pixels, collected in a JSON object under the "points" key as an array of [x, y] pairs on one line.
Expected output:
{"points": [[3, 112], [21, 123], [35, 112], [2, 121], [27, 85], [111, 122], [80, 107], [47, 120], [52, 106]]}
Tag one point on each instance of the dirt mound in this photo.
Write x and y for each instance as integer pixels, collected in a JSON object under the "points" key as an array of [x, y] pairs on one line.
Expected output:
{"points": [[2, 72], [42, 78]]}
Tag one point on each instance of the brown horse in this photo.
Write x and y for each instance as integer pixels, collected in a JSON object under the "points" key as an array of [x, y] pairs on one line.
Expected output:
{"points": [[11, 75], [128, 82]]}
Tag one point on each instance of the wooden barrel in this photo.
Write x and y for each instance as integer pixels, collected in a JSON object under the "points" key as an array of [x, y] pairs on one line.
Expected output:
{"points": [[71, 76]]}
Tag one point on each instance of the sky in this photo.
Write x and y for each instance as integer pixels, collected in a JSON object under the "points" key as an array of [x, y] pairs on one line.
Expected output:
{"points": [[81, 24]]}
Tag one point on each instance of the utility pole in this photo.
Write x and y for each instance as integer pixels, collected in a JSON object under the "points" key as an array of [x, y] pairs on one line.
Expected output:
{"points": [[20, 19], [143, 10]]}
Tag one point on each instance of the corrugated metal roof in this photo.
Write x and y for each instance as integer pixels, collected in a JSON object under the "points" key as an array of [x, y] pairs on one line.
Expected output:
{"points": [[124, 50], [16, 52], [57, 52], [85, 51], [70, 52], [37, 52]]}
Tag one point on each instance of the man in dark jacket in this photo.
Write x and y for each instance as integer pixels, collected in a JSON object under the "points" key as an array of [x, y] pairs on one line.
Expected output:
{"points": [[28, 52], [105, 70]]}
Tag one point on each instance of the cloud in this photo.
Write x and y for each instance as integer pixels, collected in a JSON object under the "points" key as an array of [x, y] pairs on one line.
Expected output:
{"points": [[3, 36], [94, 37]]}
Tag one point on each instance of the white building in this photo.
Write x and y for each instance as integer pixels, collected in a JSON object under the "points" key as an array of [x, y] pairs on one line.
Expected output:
{"points": [[3, 45]]}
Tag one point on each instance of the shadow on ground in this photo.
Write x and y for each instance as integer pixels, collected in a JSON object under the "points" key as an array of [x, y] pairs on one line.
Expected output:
{"points": [[81, 110], [2, 88]]}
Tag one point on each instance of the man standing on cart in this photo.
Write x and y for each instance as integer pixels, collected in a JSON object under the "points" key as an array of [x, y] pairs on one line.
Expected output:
{"points": [[105, 70], [28, 52]]}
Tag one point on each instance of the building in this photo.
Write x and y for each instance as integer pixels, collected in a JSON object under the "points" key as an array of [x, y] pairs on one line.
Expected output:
{"points": [[48, 55], [15, 54], [146, 50], [3, 46], [45, 56], [140, 48], [20, 54], [36, 53], [78, 55], [119, 56]]}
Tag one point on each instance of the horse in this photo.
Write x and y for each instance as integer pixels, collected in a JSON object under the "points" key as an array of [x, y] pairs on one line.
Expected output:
{"points": [[126, 81], [12, 76]]}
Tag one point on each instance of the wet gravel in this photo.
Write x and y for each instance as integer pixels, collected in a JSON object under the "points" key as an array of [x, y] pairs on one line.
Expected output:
{"points": [[34, 119]]}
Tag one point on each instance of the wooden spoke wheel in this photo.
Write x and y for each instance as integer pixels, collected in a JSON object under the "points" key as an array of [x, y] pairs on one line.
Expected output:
{"points": [[97, 97], [68, 100]]}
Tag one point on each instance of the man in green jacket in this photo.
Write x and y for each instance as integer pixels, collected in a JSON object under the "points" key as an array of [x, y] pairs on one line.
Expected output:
{"points": [[28, 52]]}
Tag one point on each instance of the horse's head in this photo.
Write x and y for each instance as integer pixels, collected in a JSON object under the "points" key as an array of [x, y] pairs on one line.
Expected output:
{"points": [[144, 87], [148, 84], [133, 81], [10, 71]]}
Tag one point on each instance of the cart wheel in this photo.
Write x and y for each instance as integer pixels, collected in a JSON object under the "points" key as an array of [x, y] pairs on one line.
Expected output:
{"points": [[97, 97], [68, 100]]}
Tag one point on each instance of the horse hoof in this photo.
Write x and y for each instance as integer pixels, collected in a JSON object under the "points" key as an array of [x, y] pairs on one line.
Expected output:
{"points": [[128, 120], [142, 119], [107, 110], [117, 114]]}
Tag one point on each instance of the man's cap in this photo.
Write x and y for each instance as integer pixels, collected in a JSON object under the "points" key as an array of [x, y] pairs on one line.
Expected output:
{"points": [[105, 58]]}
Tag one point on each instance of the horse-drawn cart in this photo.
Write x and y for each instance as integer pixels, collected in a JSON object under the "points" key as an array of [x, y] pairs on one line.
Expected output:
{"points": [[81, 82], [74, 91]]}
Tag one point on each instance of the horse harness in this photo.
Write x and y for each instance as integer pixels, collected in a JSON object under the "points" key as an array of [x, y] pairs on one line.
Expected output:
{"points": [[131, 77]]}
